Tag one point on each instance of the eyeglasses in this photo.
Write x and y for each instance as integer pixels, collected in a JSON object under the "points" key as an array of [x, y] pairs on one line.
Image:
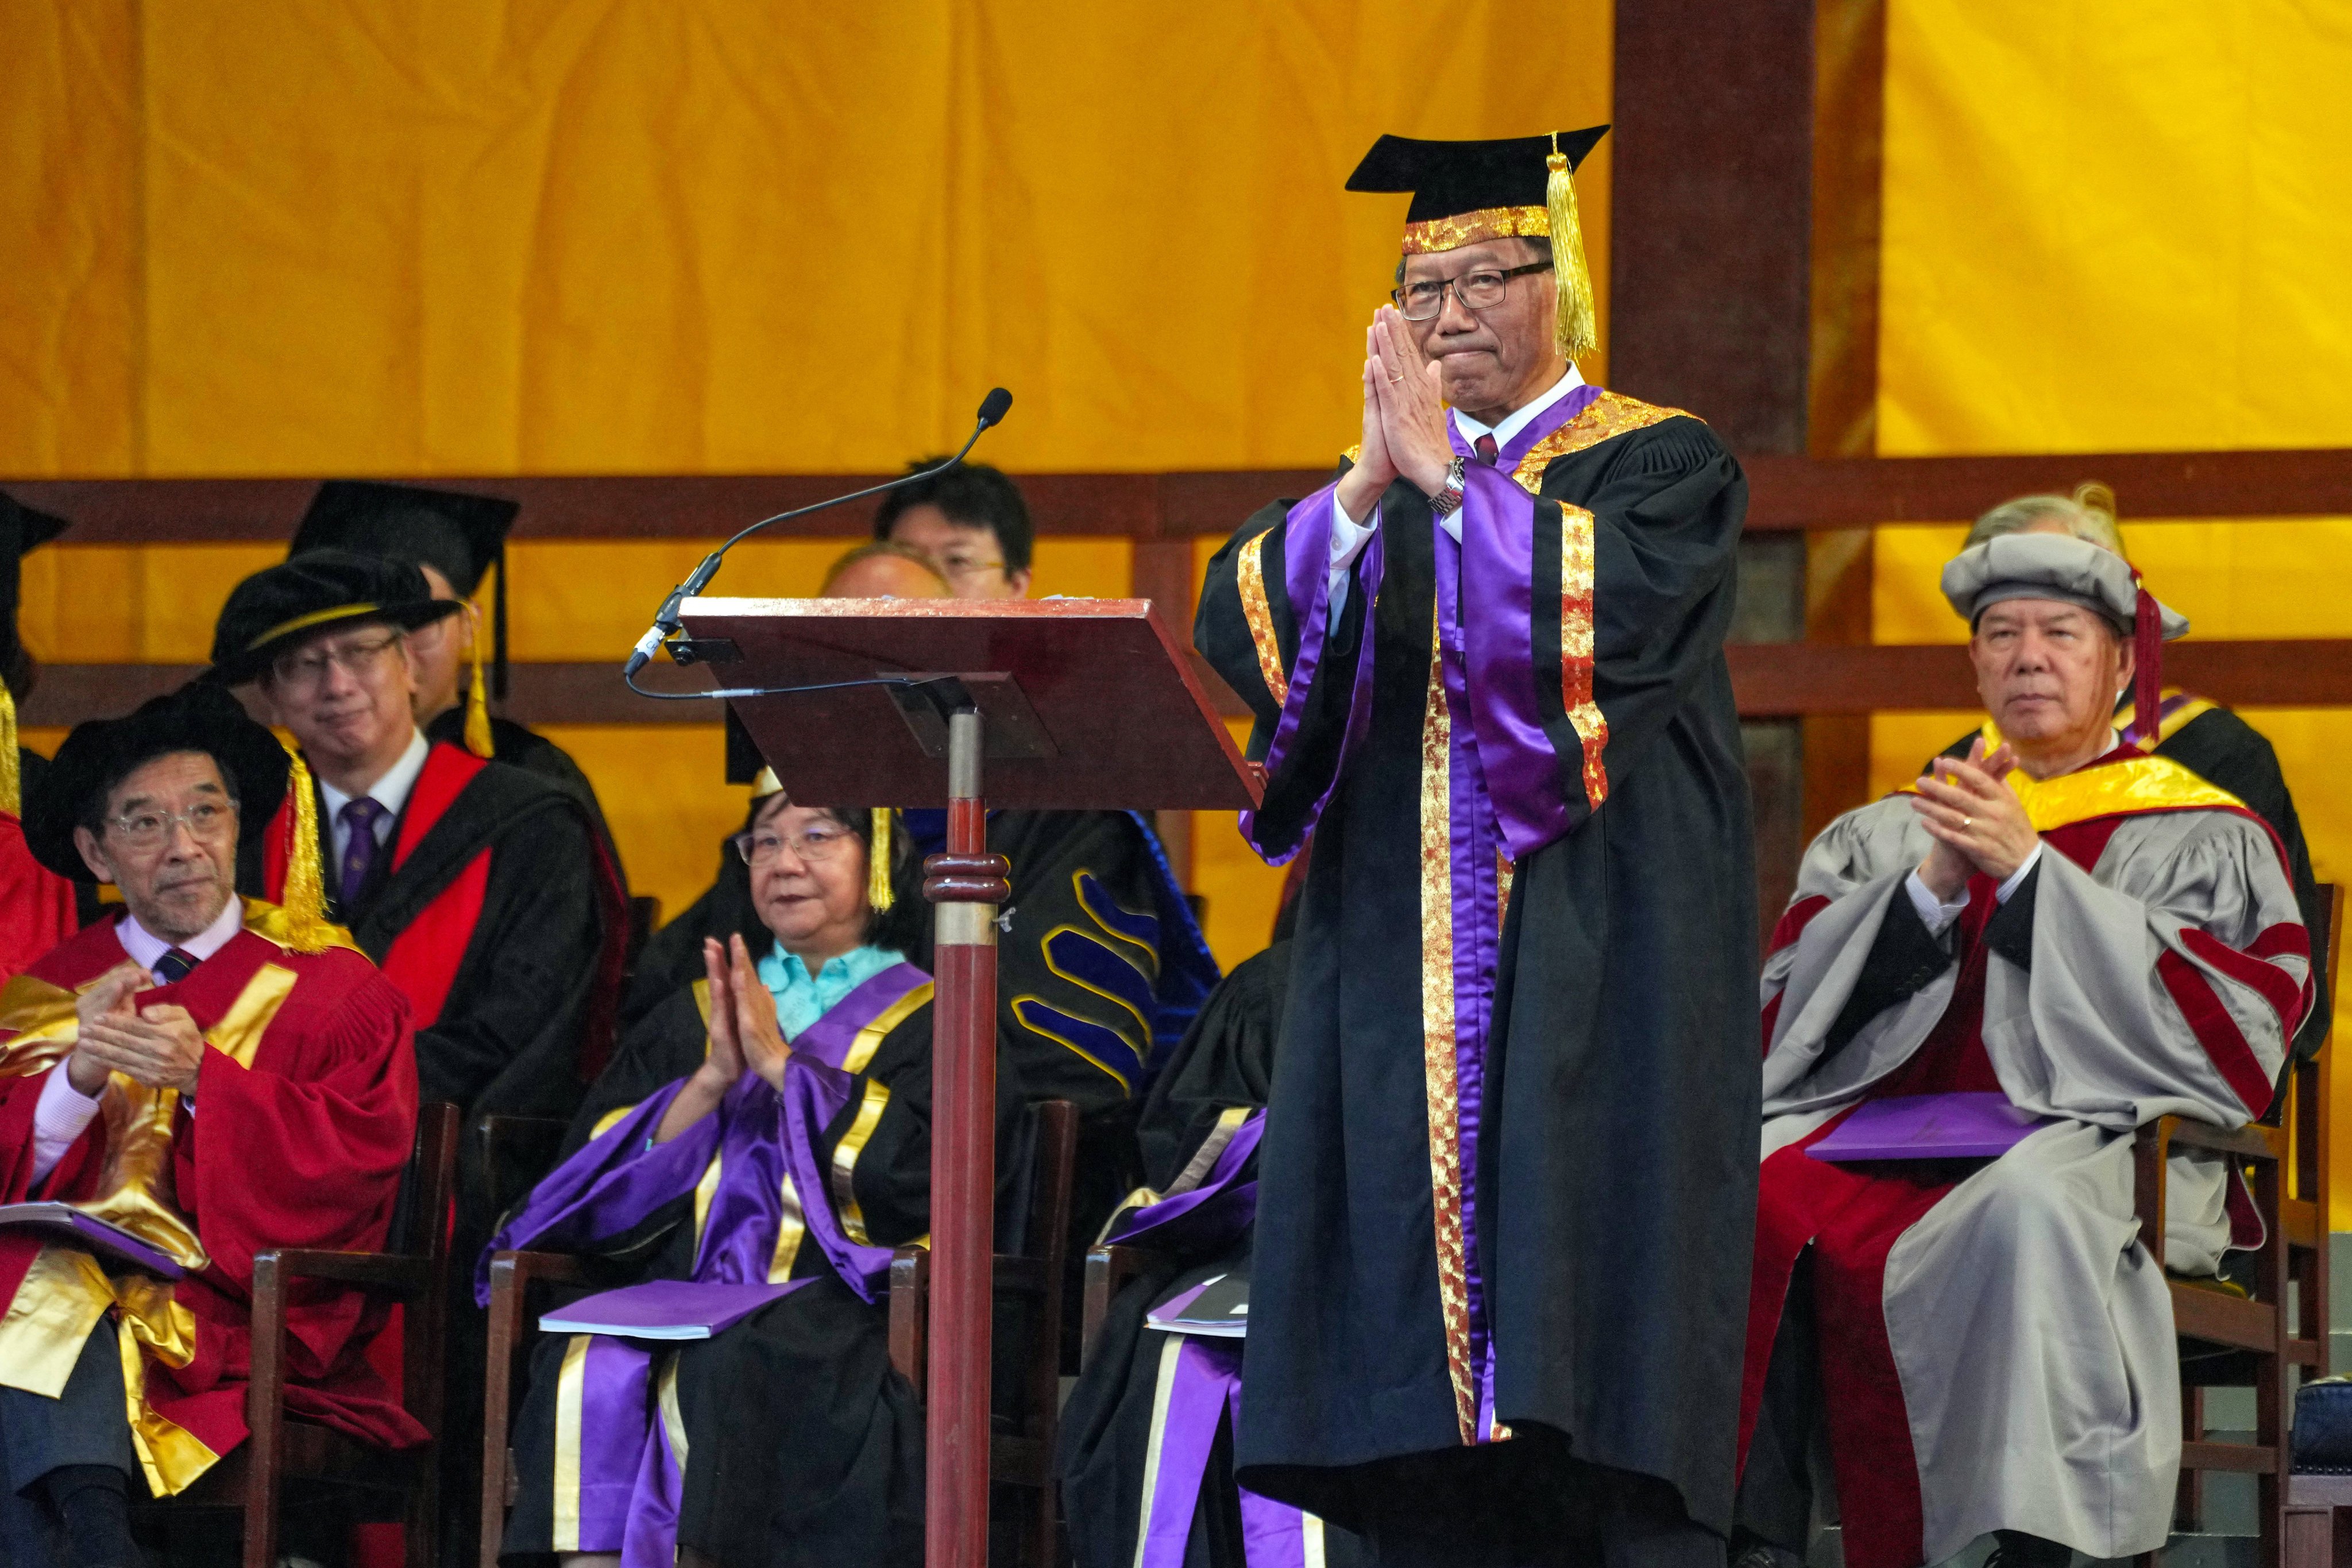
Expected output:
{"points": [[812, 846], [152, 830], [1480, 290], [308, 666], [961, 567]]}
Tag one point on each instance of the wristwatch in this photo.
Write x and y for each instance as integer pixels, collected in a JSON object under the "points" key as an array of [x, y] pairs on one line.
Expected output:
{"points": [[1448, 500]]}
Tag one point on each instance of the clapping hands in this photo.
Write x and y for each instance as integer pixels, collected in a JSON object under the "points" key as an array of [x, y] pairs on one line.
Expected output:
{"points": [[1976, 819]]}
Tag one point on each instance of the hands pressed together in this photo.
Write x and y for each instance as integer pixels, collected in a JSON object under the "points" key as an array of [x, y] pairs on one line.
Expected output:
{"points": [[1404, 419], [160, 1047], [1976, 819], [744, 1036]]}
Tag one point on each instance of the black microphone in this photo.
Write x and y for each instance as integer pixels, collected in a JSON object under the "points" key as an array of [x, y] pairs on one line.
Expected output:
{"points": [[992, 409]]}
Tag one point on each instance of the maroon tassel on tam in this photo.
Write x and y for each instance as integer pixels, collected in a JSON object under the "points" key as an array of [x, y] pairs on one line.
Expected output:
{"points": [[2148, 676]]}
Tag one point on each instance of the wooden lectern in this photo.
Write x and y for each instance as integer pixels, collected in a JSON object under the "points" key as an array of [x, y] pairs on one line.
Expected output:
{"points": [[1069, 704]]}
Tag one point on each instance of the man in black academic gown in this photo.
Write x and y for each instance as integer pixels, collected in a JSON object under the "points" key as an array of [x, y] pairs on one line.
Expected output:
{"points": [[454, 539], [1506, 1189], [471, 882], [39, 909], [2204, 737]]}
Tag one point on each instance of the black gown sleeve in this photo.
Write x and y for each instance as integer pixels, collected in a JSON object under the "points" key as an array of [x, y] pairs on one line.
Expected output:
{"points": [[1904, 957]]}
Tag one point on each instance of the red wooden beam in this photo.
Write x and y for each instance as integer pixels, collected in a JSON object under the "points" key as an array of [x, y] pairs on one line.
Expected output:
{"points": [[1784, 493]]}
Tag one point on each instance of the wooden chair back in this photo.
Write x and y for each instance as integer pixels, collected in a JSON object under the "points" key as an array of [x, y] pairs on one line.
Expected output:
{"points": [[413, 1269]]}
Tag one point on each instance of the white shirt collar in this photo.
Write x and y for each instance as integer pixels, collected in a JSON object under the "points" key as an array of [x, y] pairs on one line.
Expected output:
{"points": [[391, 791], [1519, 418], [145, 947]]}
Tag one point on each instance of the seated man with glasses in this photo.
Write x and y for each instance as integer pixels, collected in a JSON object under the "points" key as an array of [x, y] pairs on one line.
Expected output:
{"points": [[471, 882], [768, 1124], [218, 1077]]}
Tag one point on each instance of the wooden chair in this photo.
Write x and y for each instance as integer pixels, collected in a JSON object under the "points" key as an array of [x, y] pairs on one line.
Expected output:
{"points": [[1032, 1275], [2234, 1340], [387, 1488], [1108, 1269]]}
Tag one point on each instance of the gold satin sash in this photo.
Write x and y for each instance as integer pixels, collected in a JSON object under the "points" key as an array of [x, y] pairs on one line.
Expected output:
{"points": [[65, 1291]]}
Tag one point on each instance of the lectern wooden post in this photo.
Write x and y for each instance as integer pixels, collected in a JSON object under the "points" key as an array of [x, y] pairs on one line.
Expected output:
{"points": [[1075, 704]]}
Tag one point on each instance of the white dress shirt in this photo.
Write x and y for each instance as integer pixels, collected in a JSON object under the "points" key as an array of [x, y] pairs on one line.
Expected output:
{"points": [[1938, 916], [1349, 537], [390, 791], [63, 1111]]}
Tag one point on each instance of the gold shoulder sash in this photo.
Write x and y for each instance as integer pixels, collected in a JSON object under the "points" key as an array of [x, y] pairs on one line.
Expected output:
{"points": [[1607, 416], [2111, 789]]}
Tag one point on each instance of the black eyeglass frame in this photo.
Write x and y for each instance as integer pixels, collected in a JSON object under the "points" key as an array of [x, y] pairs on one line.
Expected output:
{"points": [[1443, 284]]}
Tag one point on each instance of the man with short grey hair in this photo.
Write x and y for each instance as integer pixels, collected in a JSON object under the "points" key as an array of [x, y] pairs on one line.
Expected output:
{"points": [[1983, 984]]}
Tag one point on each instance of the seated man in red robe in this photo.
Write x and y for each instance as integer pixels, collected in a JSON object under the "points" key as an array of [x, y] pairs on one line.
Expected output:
{"points": [[1983, 986], [218, 1077]]}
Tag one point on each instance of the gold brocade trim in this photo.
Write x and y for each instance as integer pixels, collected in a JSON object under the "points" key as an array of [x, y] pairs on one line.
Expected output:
{"points": [[844, 1161], [311, 618], [673, 1420], [571, 1386], [1436, 233], [791, 1225], [1504, 872], [2111, 789], [1249, 571], [1606, 417], [1437, 1035], [704, 1191], [1163, 1393], [1584, 715], [869, 1038]]}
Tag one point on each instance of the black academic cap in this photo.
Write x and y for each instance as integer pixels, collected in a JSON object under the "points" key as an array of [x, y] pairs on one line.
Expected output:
{"points": [[457, 534], [103, 752], [1450, 178], [319, 591], [22, 531]]}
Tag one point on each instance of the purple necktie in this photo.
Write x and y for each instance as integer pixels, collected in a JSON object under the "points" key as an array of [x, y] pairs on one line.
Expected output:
{"points": [[360, 816], [1486, 448]]}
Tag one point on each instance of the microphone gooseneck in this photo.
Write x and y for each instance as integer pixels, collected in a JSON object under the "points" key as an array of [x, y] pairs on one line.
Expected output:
{"points": [[992, 409]]}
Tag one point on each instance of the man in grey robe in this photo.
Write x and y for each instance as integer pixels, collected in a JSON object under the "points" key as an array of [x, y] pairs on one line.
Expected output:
{"points": [[2098, 936]]}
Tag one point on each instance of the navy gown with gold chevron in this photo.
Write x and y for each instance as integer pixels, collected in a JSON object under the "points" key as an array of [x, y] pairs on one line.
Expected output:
{"points": [[634, 1446]]}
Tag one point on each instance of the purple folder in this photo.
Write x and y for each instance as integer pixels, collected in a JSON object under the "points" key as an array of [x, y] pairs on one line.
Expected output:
{"points": [[111, 1242], [665, 1310], [1930, 1126]]}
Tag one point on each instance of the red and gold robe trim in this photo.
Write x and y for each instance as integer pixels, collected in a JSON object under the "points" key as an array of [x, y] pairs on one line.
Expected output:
{"points": [[2130, 784], [1437, 1036], [1609, 415], [1251, 573], [1584, 715]]}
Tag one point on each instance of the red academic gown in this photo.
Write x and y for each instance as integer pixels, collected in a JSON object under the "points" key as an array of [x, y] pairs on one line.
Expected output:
{"points": [[36, 905], [302, 1146]]}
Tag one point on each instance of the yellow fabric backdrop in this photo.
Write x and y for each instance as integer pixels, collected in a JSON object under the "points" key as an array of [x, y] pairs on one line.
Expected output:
{"points": [[411, 237], [2111, 226]]}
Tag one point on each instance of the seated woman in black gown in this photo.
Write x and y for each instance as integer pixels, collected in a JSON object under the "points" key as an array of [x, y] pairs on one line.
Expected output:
{"points": [[768, 1126]]}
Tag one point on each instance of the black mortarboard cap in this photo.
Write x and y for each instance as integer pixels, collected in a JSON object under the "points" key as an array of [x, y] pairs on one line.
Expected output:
{"points": [[315, 592], [102, 752], [459, 535], [1450, 178], [22, 531]]}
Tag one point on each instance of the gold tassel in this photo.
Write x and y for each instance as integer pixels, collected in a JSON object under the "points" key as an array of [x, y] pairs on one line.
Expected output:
{"points": [[877, 862], [478, 740], [12, 790], [304, 897], [1575, 329]]}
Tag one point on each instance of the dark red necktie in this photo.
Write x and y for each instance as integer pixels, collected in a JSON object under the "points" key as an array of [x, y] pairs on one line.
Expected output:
{"points": [[1486, 448]]}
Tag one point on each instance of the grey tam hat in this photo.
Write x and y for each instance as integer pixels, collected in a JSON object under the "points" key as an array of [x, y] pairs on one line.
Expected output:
{"points": [[2050, 566]]}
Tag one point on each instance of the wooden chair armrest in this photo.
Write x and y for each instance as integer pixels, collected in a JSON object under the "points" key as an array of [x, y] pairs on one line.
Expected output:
{"points": [[516, 1270], [511, 1277], [376, 1270], [2252, 1141], [1108, 1269], [910, 1288]]}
